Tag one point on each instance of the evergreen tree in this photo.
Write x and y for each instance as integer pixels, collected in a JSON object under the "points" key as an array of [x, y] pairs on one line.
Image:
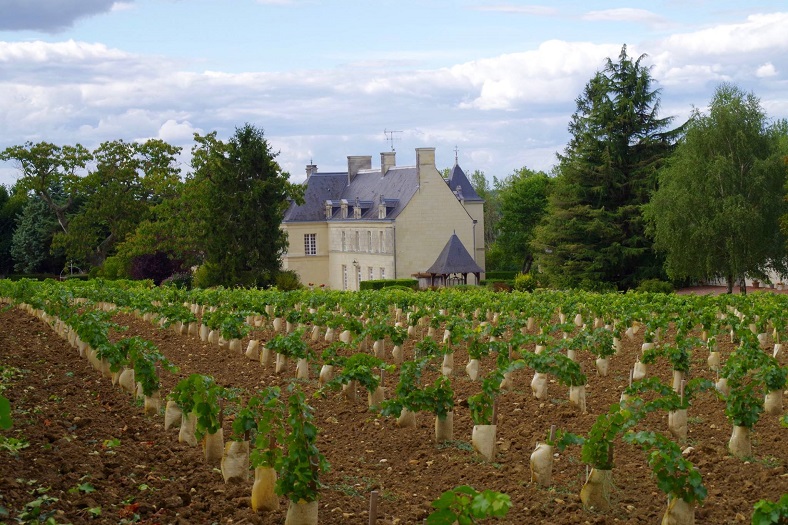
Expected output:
{"points": [[246, 194], [11, 205], [594, 234], [32, 238]]}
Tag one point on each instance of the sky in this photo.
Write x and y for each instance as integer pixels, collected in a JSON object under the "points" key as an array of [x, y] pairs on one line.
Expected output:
{"points": [[490, 83]]}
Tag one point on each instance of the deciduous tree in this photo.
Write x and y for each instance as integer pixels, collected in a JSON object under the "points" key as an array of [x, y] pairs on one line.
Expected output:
{"points": [[716, 212], [523, 197]]}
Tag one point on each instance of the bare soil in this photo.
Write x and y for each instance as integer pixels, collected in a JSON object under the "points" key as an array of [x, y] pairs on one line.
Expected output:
{"points": [[84, 432]]}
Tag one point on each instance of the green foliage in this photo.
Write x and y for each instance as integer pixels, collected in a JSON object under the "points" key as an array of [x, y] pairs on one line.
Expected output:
{"points": [[593, 236], [464, 505], [114, 267], [654, 286], [267, 414], [5, 413], [767, 512], [300, 468], [407, 393], [32, 238], [676, 476], [287, 280], [200, 394], [245, 193], [362, 368], [438, 398], [525, 282], [481, 404], [719, 200], [291, 345], [524, 196], [744, 405]]}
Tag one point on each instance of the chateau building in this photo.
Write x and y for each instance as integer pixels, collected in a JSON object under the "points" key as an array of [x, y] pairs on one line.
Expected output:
{"points": [[390, 222]]}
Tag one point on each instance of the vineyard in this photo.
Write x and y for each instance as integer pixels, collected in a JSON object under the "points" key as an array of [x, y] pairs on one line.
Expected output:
{"points": [[140, 404]]}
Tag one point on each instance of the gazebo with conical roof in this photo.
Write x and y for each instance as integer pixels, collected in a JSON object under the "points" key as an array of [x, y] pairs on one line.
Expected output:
{"points": [[454, 260]]}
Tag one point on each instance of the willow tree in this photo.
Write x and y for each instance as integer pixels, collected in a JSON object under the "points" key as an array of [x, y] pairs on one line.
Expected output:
{"points": [[594, 234], [716, 212]]}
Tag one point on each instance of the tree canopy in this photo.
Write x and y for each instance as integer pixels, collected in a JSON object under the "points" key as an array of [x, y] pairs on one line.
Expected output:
{"points": [[523, 198], [716, 212], [594, 233], [247, 195]]}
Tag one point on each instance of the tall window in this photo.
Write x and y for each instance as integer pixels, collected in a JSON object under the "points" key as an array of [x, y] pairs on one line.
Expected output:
{"points": [[358, 277], [369, 241], [380, 241], [344, 242], [382, 273], [369, 272], [310, 244], [358, 242], [344, 276]]}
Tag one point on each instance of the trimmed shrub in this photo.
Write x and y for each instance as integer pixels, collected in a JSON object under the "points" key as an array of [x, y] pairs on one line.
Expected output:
{"points": [[377, 284], [500, 275], [525, 282], [655, 286], [113, 268], [287, 280]]}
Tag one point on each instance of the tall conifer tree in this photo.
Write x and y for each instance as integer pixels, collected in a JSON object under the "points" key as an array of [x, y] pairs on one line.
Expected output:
{"points": [[593, 235]]}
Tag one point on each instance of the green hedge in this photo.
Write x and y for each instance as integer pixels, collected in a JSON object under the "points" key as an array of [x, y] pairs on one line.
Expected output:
{"points": [[500, 275], [377, 284]]}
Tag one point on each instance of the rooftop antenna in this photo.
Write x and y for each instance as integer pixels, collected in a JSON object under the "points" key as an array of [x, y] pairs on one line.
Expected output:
{"points": [[390, 136]]}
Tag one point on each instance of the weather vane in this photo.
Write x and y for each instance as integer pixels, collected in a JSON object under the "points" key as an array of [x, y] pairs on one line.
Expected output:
{"points": [[390, 136]]}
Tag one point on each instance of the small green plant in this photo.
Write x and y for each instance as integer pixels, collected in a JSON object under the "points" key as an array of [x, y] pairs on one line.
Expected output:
{"points": [[362, 368], [13, 445], [464, 505], [269, 427], [111, 443], [300, 468], [676, 476], [767, 512]]}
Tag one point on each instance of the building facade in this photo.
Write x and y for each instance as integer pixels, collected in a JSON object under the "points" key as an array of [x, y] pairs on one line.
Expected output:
{"points": [[380, 223]]}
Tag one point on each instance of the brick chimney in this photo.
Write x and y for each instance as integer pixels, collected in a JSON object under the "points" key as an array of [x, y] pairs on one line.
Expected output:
{"points": [[310, 169]]}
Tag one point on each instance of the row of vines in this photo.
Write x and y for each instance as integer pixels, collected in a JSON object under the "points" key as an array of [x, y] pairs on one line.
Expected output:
{"points": [[358, 340]]}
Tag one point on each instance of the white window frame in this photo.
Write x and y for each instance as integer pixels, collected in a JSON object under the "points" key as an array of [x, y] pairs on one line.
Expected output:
{"points": [[382, 272], [344, 276], [310, 244]]}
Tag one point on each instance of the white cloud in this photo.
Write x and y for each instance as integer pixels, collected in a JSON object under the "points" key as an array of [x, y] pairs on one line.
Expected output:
{"points": [[766, 70], [176, 132], [557, 70], [758, 33], [626, 14]]}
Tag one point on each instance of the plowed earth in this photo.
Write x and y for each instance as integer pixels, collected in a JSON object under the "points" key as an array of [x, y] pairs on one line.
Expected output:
{"points": [[84, 432]]}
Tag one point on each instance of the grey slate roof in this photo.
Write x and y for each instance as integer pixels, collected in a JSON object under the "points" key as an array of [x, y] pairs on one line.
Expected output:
{"points": [[458, 178], [368, 186], [454, 259]]}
